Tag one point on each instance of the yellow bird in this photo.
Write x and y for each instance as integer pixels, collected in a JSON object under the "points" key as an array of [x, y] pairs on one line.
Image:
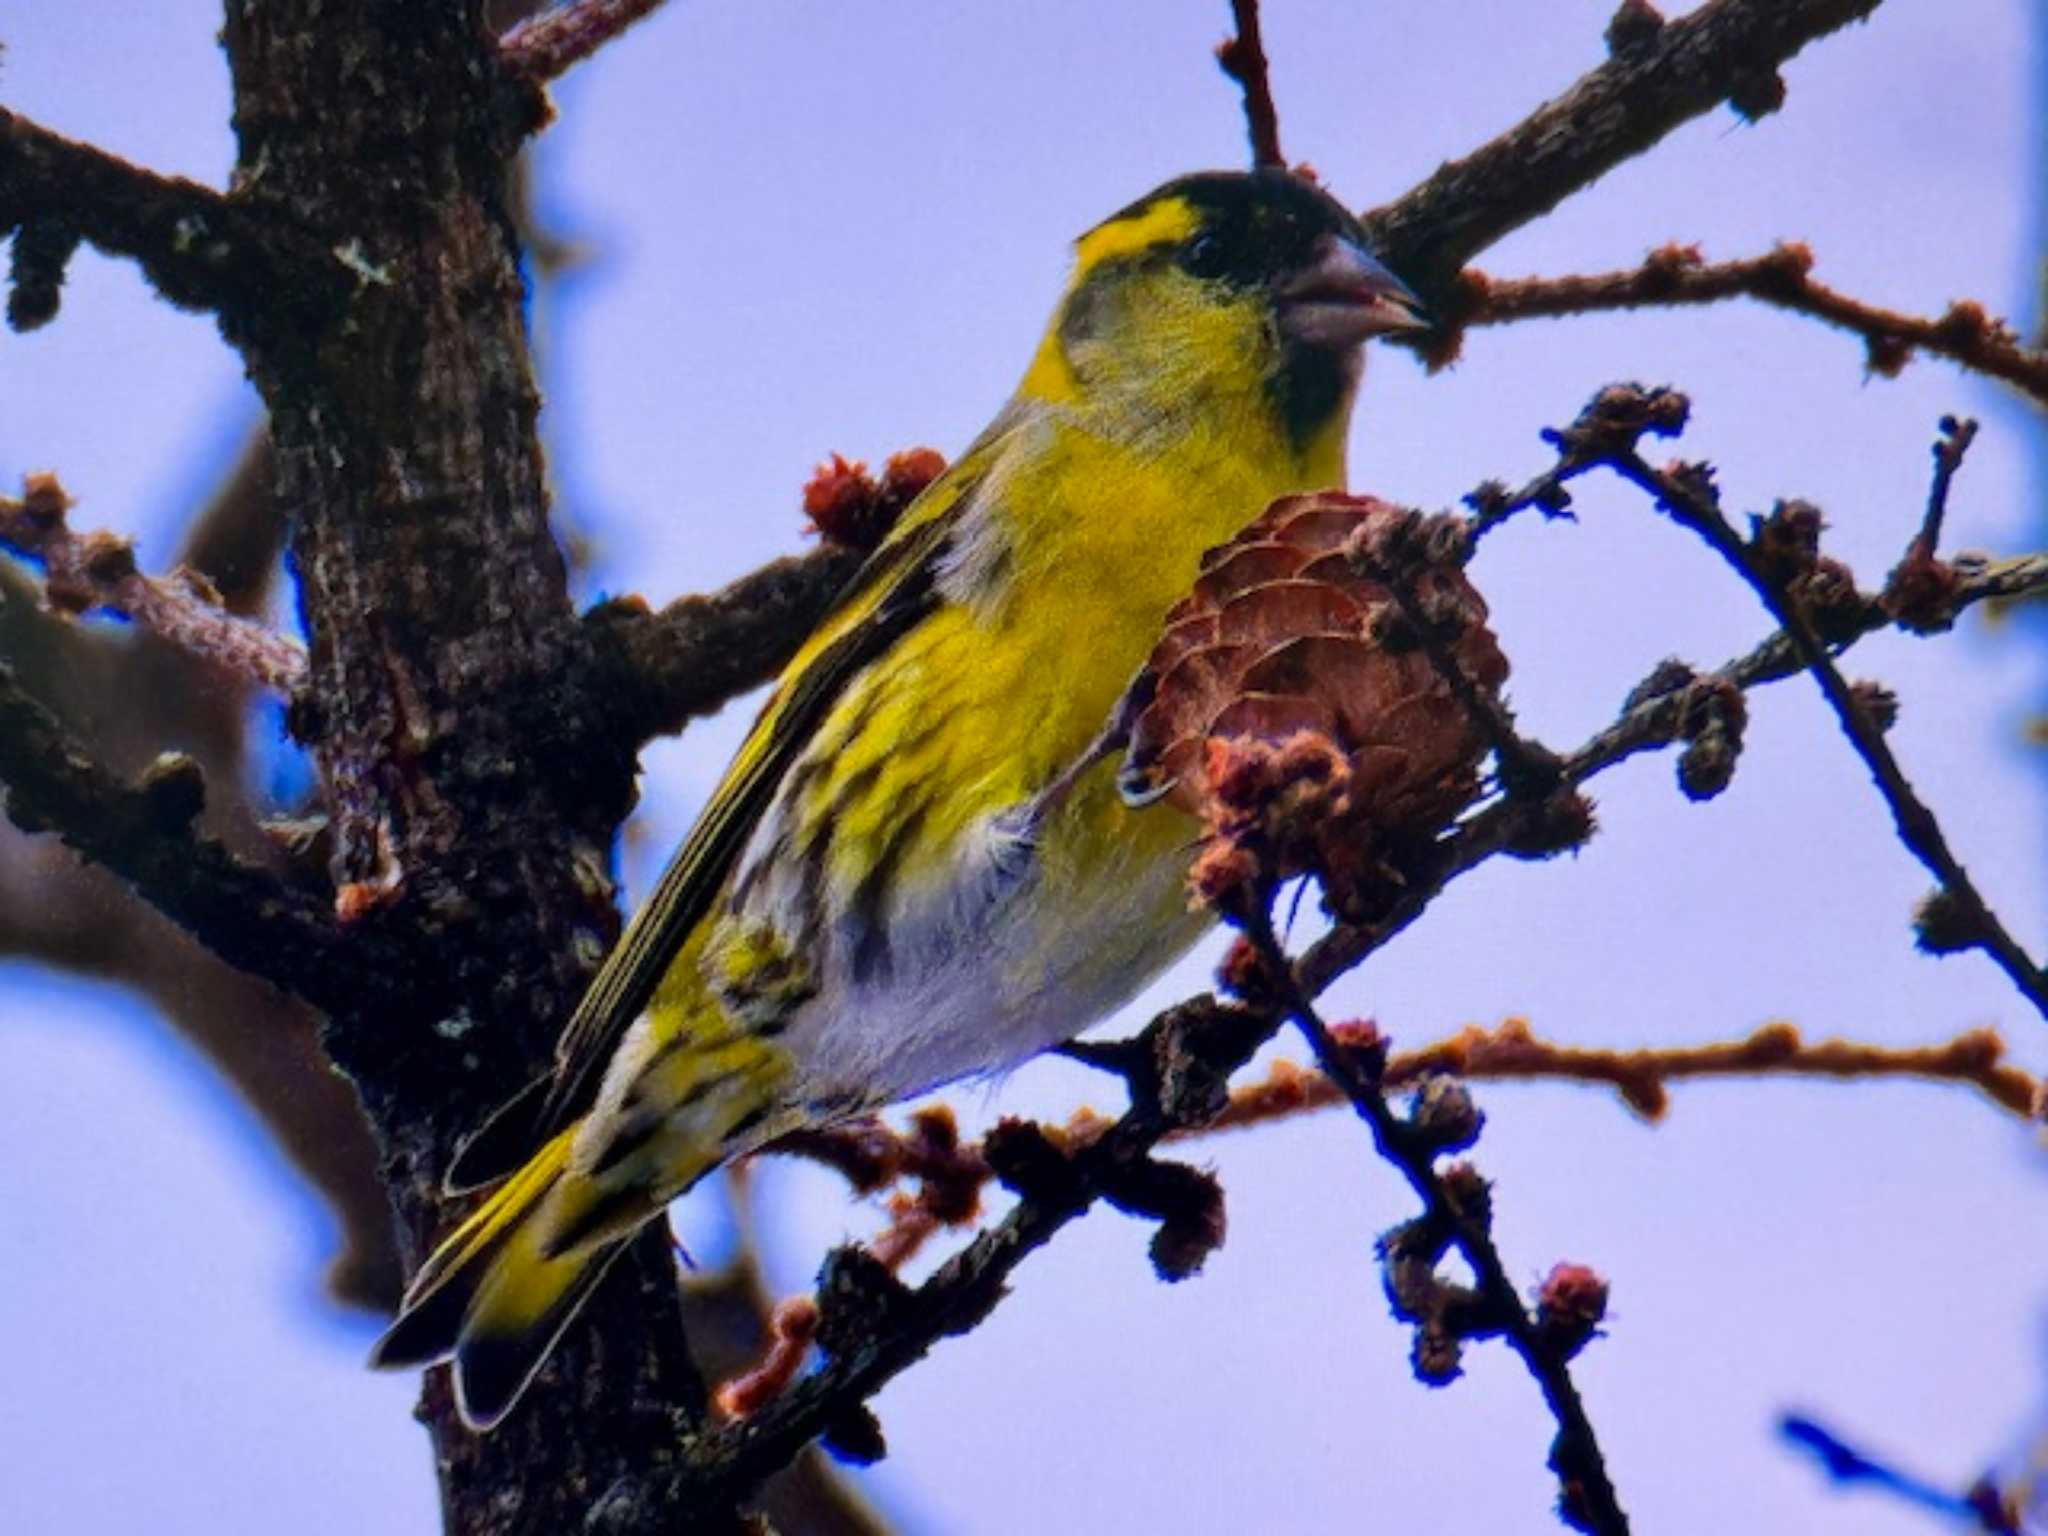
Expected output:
{"points": [[919, 867]]}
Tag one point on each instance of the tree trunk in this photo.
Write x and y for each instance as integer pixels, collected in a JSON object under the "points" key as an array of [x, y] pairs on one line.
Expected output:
{"points": [[466, 784]]}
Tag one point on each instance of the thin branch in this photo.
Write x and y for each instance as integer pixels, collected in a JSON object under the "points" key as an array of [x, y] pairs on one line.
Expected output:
{"points": [[1949, 450], [950, 1174], [792, 1330], [1492, 503], [1588, 1500], [1688, 499], [1661, 74], [59, 910], [200, 249], [543, 47], [84, 572], [1243, 58], [1653, 718], [1985, 1507], [144, 835], [1511, 1052], [1675, 275], [1527, 768]]}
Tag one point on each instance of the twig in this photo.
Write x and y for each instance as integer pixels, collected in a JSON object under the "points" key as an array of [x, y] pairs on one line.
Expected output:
{"points": [[1492, 503], [792, 1329], [1983, 1506], [950, 1174], [83, 572], [1511, 1052], [144, 835], [1677, 275], [544, 46], [1528, 769], [1588, 1500], [1949, 450], [1650, 722], [1653, 721], [872, 1156], [1243, 57], [63, 911], [1688, 499], [1664, 76], [200, 249]]}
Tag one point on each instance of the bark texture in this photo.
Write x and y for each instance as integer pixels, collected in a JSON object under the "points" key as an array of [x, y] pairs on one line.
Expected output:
{"points": [[468, 787]]}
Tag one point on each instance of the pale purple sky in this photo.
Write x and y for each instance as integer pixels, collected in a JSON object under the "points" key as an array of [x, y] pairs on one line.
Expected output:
{"points": [[816, 228]]}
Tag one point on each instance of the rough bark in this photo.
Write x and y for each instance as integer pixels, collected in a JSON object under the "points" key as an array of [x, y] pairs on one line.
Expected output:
{"points": [[460, 775]]}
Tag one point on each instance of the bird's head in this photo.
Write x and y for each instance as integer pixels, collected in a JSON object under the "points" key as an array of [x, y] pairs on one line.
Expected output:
{"points": [[1217, 285]]}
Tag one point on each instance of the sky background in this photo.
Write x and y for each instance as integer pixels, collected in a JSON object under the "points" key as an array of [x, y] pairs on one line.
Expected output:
{"points": [[817, 228]]}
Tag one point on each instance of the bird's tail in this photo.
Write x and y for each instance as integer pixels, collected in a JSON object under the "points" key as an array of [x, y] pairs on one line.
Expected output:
{"points": [[497, 1294], [500, 1290]]}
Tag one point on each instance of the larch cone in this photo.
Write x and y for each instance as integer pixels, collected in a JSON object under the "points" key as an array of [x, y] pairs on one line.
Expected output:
{"points": [[1295, 710]]}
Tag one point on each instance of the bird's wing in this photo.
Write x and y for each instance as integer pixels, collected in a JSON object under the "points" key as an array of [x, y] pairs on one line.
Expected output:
{"points": [[895, 588]]}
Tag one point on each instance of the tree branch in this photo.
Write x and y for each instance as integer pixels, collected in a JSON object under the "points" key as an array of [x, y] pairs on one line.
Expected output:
{"points": [[200, 249], [59, 910], [873, 1157], [1587, 1500], [1675, 275], [83, 572], [545, 46], [1983, 1507], [143, 834], [1661, 74], [1243, 57], [472, 785], [1510, 1052], [1660, 709], [1686, 494], [691, 658]]}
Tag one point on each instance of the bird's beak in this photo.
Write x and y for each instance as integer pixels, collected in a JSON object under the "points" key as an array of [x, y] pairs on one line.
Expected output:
{"points": [[1343, 296]]}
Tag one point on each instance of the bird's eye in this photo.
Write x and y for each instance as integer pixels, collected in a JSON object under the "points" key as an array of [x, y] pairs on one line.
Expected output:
{"points": [[1202, 256]]}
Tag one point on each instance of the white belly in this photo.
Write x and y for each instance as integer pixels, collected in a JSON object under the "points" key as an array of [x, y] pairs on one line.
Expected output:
{"points": [[984, 974]]}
